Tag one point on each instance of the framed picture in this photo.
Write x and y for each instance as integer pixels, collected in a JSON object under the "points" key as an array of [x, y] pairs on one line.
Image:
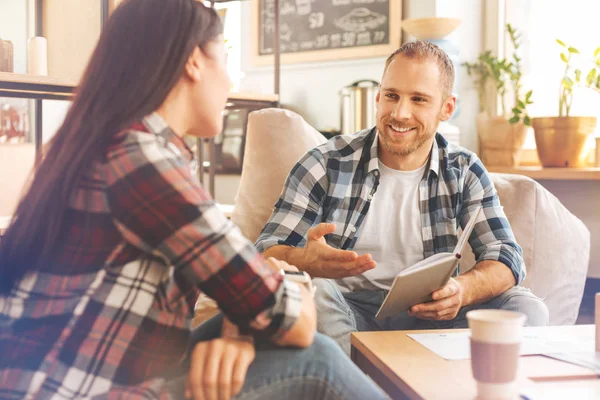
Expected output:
{"points": [[312, 30]]}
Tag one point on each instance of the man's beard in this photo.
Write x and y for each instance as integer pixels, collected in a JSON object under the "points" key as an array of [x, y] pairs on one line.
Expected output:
{"points": [[401, 147]]}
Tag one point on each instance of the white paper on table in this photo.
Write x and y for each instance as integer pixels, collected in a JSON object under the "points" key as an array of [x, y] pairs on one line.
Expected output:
{"points": [[457, 346]]}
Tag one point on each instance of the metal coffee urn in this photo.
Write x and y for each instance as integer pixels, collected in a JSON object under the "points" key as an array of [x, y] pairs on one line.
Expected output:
{"points": [[357, 106]]}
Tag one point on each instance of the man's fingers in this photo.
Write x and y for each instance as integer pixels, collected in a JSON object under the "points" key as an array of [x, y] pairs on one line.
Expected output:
{"points": [[339, 256], [361, 269], [319, 231]]}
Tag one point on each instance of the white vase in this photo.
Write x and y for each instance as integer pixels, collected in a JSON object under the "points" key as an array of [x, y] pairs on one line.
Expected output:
{"points": [[37, 56]]}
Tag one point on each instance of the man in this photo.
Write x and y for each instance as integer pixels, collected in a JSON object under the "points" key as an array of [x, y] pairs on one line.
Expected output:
{"points": [[359, 209]]}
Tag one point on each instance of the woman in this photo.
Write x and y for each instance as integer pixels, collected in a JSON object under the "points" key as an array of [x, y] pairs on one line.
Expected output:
{"points": [[113, 241]]}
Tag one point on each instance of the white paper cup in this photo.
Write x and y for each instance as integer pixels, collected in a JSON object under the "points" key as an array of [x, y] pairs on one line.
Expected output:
{"points": [[496, 337]]}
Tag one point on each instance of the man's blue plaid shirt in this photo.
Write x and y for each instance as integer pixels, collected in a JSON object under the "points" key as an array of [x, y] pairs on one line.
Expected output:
{"points": [[335, 183]]}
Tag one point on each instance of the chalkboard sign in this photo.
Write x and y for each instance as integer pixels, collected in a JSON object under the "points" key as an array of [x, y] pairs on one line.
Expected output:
{"points": [[318, 30]]}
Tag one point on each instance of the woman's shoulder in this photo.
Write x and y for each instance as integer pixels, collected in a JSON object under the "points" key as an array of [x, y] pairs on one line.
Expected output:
{"points": [[137, 143]]}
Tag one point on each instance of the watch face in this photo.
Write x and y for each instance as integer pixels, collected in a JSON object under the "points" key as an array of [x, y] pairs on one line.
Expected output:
{"points": [[300, 273]]}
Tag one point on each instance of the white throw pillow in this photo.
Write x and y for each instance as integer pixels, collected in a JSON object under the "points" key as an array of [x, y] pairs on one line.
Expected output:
{"points": [[275, 141]]}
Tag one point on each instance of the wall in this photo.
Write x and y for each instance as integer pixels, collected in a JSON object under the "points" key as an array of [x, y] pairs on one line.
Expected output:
{"points": [[72, 28], [312, 88]]}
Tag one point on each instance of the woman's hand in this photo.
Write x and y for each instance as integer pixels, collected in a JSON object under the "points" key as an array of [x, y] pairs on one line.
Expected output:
{"points": [[218, 368], [280, 265]]}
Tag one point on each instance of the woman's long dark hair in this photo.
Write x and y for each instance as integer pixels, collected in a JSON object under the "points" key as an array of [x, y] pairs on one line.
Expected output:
{"points": [[140, 56]]}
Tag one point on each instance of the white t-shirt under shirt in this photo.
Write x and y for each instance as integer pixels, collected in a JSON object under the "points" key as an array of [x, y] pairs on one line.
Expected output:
{"points": [[391, 230]]}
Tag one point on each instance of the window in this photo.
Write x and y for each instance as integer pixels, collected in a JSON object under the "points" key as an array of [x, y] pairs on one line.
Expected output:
{"points": [[231, 15], [541, 22]]}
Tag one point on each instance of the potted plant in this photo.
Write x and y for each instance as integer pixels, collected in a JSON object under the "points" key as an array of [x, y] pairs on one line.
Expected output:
{"points": [[501, 135], [560, 141]]}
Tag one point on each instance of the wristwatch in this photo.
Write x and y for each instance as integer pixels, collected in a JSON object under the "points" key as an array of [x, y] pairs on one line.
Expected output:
{"points": [[301, 277]]}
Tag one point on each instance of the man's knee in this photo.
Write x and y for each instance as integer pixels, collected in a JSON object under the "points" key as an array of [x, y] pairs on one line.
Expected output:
{"points": [[327, 292], [521, 299]]}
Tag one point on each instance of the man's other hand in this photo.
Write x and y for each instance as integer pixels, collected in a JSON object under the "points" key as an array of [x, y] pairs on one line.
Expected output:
{"points": [[446, 303]]}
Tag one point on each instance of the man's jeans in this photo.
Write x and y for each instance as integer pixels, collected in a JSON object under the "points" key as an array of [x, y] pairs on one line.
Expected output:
{"points": [[321, 371], [339, 313]]}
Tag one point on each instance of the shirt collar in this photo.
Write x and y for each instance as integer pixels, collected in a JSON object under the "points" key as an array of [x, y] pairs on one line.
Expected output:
{"points": [[158, 126], [436, 157]]}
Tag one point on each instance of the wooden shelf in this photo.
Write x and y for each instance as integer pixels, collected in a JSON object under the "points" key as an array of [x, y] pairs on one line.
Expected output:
{"points": [[35, 87], [556, 174], [46, 87], [253, 96]]}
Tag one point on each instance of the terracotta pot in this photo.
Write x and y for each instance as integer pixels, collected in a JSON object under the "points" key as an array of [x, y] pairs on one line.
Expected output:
{"points": [[500, 141], [561, 141]]}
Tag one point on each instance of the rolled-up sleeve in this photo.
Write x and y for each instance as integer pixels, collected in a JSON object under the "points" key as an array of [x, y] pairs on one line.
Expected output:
{"points": [[492, 237], [300, 205], [159, 208]]}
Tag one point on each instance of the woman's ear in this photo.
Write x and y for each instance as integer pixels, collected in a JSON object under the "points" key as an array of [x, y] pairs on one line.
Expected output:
{"points": [[195, 65]]}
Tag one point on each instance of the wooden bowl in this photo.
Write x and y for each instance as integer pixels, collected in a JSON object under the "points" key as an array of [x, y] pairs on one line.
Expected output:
{"points": [[430, 28]]}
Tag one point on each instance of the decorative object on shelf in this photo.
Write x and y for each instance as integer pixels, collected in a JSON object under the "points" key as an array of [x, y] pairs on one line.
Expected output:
{"points": [[430, 28], [313, 30], [37, 56], [357, 106], [500, 136], [13, 124], [6, 56], [561, 141]]}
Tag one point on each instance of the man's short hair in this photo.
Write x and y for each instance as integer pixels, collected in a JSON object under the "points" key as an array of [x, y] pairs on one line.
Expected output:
{"points": [[423, 50]]}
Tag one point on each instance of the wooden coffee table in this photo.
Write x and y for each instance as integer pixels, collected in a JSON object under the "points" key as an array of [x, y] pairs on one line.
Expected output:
{"points": [[407, 370]]}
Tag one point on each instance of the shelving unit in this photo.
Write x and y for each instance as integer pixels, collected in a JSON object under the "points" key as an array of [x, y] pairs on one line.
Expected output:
{"points": [[556, 174], [38, 88], [48, 88]]}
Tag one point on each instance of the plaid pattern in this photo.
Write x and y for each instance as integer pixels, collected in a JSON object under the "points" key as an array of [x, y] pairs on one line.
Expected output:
{"points": [[335, 182], [111, 318]]}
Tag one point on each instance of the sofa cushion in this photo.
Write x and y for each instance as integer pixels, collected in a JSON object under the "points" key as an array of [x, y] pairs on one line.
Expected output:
{"points": [[556, 244], [275, 141]]}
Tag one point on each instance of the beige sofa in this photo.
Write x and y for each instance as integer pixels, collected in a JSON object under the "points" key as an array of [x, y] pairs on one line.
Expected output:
{"points": [[555, 243]]}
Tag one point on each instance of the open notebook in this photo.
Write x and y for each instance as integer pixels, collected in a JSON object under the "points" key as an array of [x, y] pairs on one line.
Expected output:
{"points": [[415, 284]]}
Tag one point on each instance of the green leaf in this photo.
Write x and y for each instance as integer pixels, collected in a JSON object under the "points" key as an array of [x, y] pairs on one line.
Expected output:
{"points": [[516, 111], [573, 50], [568, 82], [521, 104], [528, 95], [590, 77], [577, 75], [514, 119], [564, 57], [597, 52], [561, 43], [527, 120]]}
